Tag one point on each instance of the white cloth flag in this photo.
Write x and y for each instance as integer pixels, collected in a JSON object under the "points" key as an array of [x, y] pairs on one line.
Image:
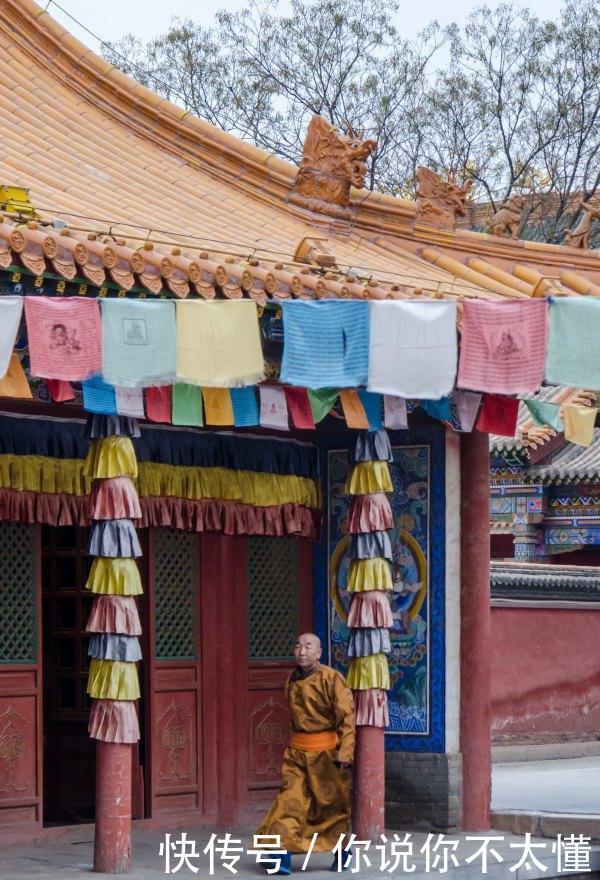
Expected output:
{"points": [[130, 402], [413, 348], [394, 413], [11, 309], [273, 408]]}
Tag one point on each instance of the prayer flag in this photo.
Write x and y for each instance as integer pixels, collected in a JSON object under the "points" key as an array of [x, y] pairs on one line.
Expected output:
{"points": [[325, 341], [437, 409], [64, 337], [130, 402], [60, 390], [545, 414], [503, 346], [11, 309], [138, 342], [498, 415], [217, 406], [372, 405], [467, 406], [99, 396], [395, 417], [187, 405], [273, 408], [413, 348], [218, 343], [299, 407], [158, 404], [322, 402], [354, 411], [245, 407], [573, 342], [579, 424], [15, 382]]}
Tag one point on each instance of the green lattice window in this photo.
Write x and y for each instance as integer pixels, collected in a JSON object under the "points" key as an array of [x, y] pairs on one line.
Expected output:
{"points": [[175, 564], [273, 597], [18, 593]]}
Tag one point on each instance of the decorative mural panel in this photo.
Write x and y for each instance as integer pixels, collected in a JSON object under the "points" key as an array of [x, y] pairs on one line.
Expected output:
{"points": [[175, 558], [416, 698], [18, 593], [273, 597]]}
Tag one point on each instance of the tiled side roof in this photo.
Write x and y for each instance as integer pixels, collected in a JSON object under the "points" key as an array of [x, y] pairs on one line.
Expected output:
{"points": [[570, 463], [525, 573]]}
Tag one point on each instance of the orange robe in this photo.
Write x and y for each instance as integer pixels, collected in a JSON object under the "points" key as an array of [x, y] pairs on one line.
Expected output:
{"points": [[315, 794]]}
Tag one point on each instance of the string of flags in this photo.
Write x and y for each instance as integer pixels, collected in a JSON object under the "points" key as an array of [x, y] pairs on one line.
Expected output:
{"points": [[201, 363]]}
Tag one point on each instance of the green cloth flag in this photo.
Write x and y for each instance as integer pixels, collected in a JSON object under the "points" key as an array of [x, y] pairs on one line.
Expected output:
{"points": [[187, 405], [545, 413], [322, 402], [572, 357]]}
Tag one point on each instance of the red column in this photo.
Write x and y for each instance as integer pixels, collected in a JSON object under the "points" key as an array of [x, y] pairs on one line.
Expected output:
{"points": [[475, 630], [112, 841], [368, 819]]}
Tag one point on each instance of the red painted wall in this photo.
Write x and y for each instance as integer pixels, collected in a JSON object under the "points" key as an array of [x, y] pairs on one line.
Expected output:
{"points": [[545, 674]]}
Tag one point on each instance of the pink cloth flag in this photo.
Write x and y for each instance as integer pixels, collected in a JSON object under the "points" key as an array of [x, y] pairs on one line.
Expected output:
{"points": [[273, 408], [130, 402], [394, 413], [503, 346], [64, 337], [467, 407]]}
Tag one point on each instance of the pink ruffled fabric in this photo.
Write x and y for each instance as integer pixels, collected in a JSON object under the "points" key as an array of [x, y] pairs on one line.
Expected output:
{"points": [[114, 614], [370, 609], [371, 709], [39, 507], [230, 517], [115, 498], [114, 721], [370, 513]]}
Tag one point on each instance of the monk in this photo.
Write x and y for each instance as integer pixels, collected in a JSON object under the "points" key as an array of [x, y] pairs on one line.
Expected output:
{"points": [[314, 797]]}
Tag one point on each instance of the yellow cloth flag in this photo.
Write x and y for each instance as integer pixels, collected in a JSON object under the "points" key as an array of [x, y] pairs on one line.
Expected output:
{"points": [[354, 411], [369, 574], [217, 406], [368, 477], [579, 424], [15, 382], [113, 680], [218, 343], [368, 672], [114, 577], [110, 457]]}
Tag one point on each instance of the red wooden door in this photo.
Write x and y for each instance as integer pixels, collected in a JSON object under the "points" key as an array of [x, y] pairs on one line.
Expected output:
{"points": [[20, 680]]}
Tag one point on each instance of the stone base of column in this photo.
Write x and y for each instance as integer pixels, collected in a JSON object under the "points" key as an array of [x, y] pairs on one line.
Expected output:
{"points": [[112, 839], [368, 815], [423, 791]]}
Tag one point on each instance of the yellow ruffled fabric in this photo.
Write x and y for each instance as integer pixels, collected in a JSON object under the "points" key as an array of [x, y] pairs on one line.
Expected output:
{"points": [[35, 473], [113, 680], [368, 477], [369, 574], [249, 487], [110, 457], [114, 577], [368, 672]]}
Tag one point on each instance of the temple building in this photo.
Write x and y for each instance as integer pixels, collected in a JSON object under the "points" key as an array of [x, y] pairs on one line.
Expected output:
{"points": [[109, 192]]}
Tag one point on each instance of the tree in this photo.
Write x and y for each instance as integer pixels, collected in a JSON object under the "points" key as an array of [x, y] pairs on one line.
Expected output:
{"points": [[516, 108]]}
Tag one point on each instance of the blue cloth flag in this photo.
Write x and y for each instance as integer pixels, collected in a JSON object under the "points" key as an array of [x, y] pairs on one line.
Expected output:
{"points": [[372, 404], [99, 396], [138, 342], [245, 407], [438, 409], [325, 344]]}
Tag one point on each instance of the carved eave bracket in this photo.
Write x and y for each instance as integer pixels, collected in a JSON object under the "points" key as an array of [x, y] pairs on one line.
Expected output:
{"points": [[439, 201]]}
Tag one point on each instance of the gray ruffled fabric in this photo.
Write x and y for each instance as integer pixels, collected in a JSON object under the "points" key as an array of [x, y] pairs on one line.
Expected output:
{"points": [[373, 446], [108, 646], [114, 537], [99, 426], [364, 642], [370, 545]]}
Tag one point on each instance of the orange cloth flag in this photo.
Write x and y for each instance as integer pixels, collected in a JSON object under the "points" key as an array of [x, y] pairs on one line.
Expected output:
{"points": [[217, 406], [64, 337], [354, 410], [579, 424], [15, 382]]}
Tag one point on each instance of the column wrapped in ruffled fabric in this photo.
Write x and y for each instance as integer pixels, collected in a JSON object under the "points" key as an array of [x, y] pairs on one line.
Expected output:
{"points": [[114, 578], [370, 577]]}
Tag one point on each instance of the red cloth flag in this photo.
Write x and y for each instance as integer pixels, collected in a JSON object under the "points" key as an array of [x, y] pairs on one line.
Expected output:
{"points": [[158, 404], [498, 415], [299, 407], [59, 390], [65, 340]]}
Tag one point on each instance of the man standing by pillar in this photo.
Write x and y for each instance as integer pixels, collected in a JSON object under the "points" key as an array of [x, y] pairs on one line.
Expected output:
{"points": [[314, 798]]}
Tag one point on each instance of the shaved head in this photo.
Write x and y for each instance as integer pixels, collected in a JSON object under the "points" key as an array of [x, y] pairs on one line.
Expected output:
{"points": [[307, 651]]}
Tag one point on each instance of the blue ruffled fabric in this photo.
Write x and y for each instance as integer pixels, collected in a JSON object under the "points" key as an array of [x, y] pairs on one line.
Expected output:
{"points": [[114, 537], [369, 640], [110, 646], [370, 545], [99, 426], [373, 446]]}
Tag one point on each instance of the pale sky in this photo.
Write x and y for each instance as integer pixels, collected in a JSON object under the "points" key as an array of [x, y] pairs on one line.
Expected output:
{"points": [[111, 19]]}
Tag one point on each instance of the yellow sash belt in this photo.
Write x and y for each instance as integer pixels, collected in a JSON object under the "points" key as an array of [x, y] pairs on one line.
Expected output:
{"points": [[314, 742]]}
